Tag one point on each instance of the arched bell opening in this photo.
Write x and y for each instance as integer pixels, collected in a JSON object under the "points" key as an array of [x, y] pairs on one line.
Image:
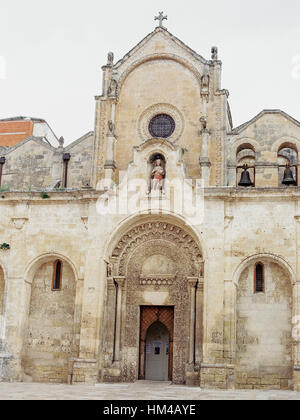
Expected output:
{"points": [[287, 160], [245, 165]]}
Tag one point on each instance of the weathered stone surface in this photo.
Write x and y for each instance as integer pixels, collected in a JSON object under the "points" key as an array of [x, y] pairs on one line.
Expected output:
{"points": [[223, 334]]}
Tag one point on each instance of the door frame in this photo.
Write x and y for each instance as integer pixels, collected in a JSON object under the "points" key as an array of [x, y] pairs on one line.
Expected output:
{"points": [[149, 315]]}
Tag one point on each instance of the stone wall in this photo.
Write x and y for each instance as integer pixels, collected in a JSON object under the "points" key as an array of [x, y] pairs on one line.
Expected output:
{"points": [[50, 337], [2, 286], [265, 135], [28, 166], [35, 165], [80, 165], [264, 322], [152, 84]]}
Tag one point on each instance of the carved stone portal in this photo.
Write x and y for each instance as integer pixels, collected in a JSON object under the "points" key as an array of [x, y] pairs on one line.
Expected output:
{"points": [[157, 260]]}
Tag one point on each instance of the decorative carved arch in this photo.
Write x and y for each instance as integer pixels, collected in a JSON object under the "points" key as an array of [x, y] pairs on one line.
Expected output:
{"points": [[135, 219], [261, 258], [159, 230], [158, 56], [156, 145]]}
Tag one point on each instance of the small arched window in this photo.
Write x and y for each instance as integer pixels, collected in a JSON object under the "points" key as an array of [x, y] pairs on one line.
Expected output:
{"points": [[57, 275], [259, 281], [245, 155], [287, 155]]}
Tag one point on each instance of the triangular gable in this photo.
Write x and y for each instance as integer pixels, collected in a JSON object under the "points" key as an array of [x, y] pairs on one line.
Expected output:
{"points": [[81, 139], [38, 140], [158, 32], [244, 126]]}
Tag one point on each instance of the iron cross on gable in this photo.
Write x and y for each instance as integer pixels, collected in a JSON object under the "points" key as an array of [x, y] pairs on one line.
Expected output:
{"points": [[160, 18]]}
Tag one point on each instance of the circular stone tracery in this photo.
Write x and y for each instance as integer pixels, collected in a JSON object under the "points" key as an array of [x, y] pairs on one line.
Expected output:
{"points": [[160, 109], [162, 126]]}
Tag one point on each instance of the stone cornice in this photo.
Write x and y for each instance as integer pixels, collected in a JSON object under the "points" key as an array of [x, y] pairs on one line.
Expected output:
{"points": [[223, 193]]}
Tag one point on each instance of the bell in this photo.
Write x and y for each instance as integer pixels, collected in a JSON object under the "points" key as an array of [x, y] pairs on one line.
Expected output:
{"points": [[245, 178], [288, 178]]}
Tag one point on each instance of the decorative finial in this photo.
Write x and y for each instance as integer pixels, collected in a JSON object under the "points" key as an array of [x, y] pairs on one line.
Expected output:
{"points": [[214, 53], [110, 59], [160, 18], [61, 141]]}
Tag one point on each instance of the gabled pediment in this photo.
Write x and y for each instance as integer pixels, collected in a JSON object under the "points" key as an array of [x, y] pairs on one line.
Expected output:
{"points": [[266, 112], [34, 141], [160, 41], [75, 143]]}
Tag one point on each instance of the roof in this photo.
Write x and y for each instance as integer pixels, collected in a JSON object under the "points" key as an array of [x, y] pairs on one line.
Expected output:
{"points": [[21, 118], [243, 126], [40, 140], [150, 35], [82, 138]]}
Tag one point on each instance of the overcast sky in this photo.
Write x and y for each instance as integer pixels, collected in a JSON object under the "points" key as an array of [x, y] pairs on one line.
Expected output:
{"points": [[54, 50]]}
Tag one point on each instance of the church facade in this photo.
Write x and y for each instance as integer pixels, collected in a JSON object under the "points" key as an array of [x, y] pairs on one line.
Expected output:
{"points": [[165, 245]]}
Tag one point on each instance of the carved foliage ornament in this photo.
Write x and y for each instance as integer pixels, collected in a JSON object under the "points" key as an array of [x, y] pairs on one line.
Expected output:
{"points": [[157, 230]]}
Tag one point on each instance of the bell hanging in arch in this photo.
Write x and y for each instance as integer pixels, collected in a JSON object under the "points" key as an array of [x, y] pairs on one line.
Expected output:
{"points": [[245, 178], [288, 178]]}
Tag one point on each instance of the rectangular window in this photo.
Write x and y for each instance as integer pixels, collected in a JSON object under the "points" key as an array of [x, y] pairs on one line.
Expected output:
{"points": [[259, 283], [57, 275]]}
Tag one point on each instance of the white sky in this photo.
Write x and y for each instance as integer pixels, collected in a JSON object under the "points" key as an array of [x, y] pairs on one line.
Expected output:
{"points": [[54, 50]]}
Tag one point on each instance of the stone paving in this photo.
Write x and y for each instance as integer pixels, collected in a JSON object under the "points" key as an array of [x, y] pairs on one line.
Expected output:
{"points": [[139, 390]]}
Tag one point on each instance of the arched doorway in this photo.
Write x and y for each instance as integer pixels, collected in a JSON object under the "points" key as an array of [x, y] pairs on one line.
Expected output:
{"points": [[155, 268], [157, 352]]}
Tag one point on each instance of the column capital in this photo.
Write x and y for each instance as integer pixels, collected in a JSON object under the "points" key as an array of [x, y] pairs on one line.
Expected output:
{"points": [[120, 281], [192, 281], [204, 161]]}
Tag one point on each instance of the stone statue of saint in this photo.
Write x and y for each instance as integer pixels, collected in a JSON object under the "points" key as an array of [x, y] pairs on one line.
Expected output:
{"points": [[112, 88], [157, 175], [111, 128], [205, 84]]}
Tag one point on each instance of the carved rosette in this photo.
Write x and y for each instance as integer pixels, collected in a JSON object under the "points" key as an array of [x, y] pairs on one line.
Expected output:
{"points": [[156, 109]]}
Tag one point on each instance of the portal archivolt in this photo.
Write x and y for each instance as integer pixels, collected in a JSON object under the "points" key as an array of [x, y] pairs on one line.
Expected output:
{"points": [[158, 265]]}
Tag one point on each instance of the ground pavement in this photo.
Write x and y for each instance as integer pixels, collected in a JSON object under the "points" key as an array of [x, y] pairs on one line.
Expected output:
{"points": [[139, 390]]}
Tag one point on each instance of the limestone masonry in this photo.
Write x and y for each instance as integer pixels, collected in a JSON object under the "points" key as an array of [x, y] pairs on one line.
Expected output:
{"points": [[111, 272]]}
